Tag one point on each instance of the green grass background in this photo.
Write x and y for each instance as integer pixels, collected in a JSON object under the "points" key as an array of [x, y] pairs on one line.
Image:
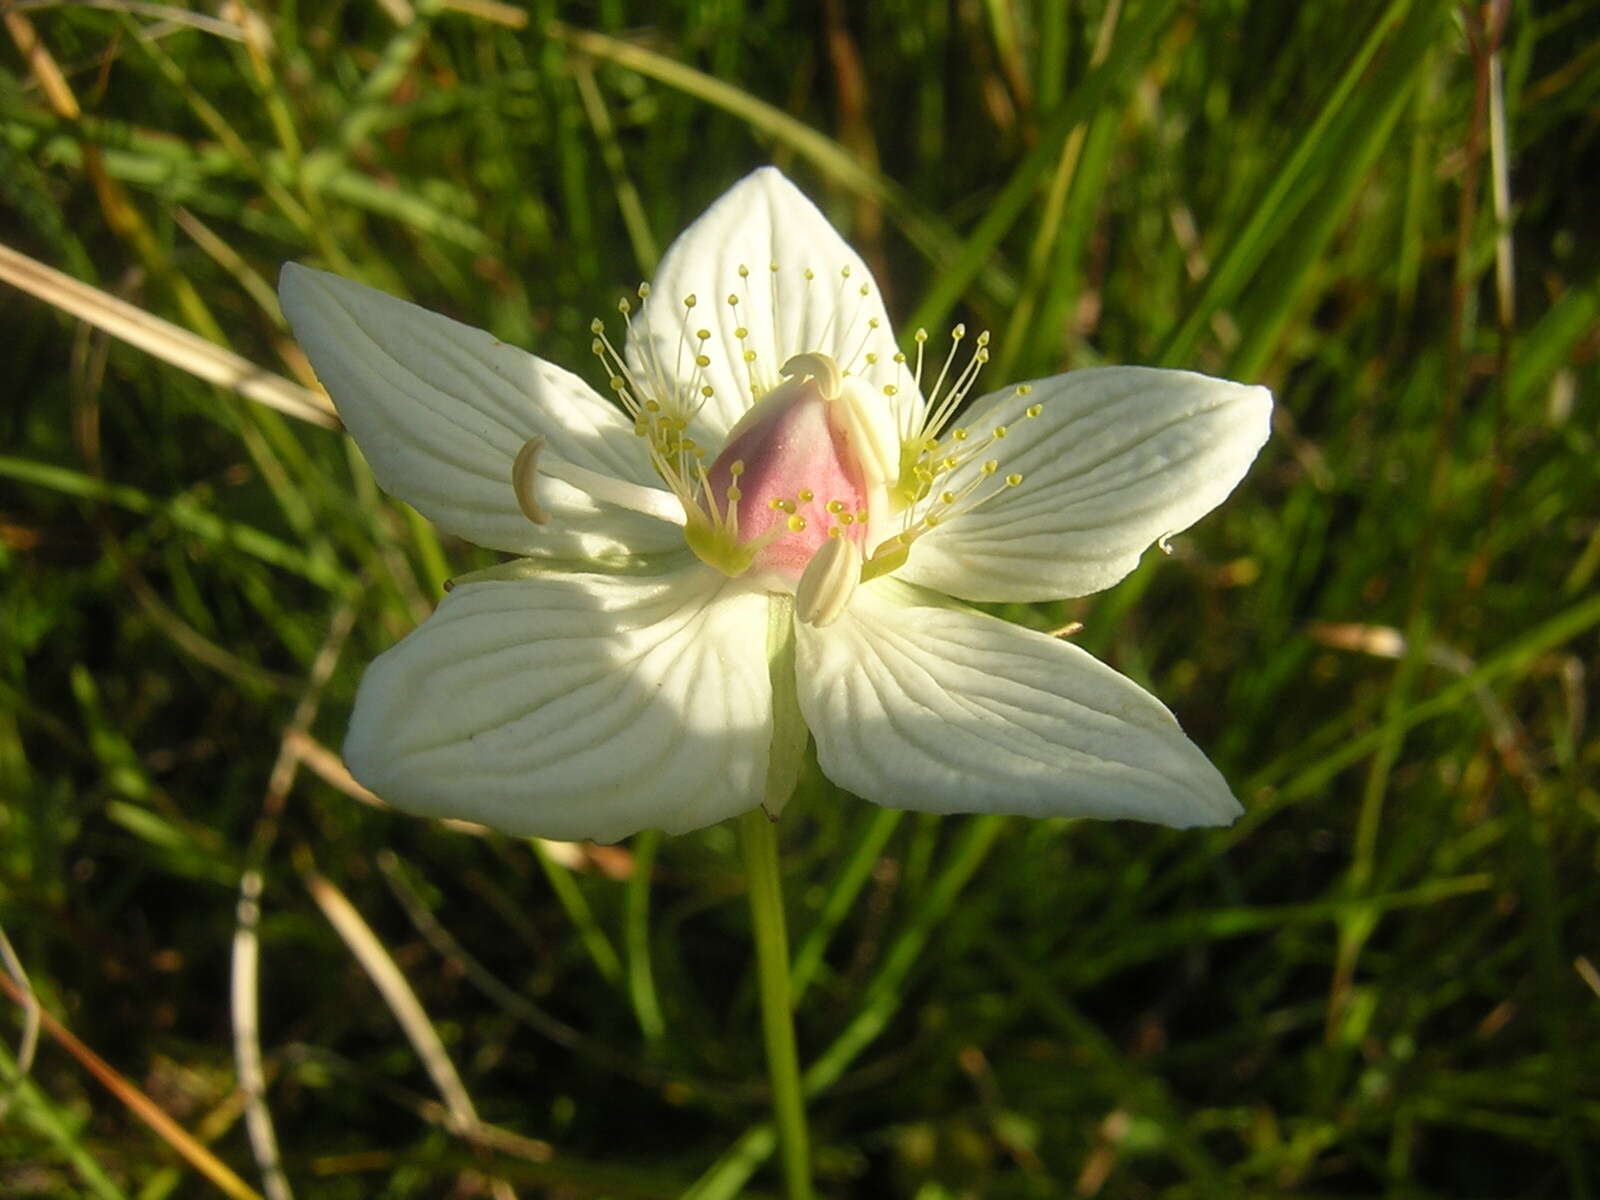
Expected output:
{"points": [[1381, 982]]}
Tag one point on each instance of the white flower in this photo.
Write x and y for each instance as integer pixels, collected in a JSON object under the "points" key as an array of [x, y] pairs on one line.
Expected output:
{"points": [[768, 524]]}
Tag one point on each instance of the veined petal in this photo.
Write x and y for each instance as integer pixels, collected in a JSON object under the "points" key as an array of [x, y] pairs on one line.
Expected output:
{"points": [[1117, 458], [919, 705], [574, 706], [764, 225], [441, 409]]}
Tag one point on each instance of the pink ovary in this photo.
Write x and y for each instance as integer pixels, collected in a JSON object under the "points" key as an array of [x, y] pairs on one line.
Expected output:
{"points": [[795, 451]]}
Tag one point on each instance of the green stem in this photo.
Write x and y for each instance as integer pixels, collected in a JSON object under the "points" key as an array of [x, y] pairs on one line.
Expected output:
{"points": [[759, 839]]}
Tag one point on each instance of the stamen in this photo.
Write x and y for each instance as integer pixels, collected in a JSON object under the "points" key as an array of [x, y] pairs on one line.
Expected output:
{"points": [[524, 471], [828, 582], [531, 461]]}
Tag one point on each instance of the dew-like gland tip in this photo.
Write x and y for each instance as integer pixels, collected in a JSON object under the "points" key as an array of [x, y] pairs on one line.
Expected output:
{"points": [[733, 300], [624, 307], [959, 332], [920, 336], [690, 300], [744, 271], [597, 326], [644, 291], [983, 338]]}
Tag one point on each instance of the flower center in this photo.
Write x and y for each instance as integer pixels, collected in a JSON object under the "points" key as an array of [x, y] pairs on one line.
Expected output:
{"points": [[805, 464], [823, 483]]}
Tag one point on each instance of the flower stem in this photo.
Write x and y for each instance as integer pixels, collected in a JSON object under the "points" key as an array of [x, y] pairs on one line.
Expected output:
{"points": [[759, 839]]}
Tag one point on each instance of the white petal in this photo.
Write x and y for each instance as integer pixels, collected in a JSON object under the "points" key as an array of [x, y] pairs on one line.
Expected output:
{"points": [[1118, 458], [441, 409], [574, 706], [761, 222], [945, 710]]}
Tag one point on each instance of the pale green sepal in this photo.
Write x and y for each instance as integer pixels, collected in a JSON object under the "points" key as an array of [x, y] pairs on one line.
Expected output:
{"points": [[789, 733]]}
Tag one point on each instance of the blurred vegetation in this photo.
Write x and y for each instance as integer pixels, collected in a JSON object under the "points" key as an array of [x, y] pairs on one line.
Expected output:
{"points": [[1383, 981]]}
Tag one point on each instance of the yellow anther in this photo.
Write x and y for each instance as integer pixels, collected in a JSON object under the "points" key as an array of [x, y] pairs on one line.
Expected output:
{"points": [[959, 332], [624, 307], [983, 338], [871, 358], [708, 391], [959, 435], [920, 336], [1000, 431], [1024, 389], [889, 389], [1013, 479], [733, 300], [947, 497], [702, 334], [700, 360], [734, 494], [690, 301], [835, 506], [736, 468], [597, 326], [796, 524], [844, 271], [618, 383], [1035, 409], [807, 495], [741, 333], [744, 271], [749, 356], [809, 275], [644, 291], [990, 467]]}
